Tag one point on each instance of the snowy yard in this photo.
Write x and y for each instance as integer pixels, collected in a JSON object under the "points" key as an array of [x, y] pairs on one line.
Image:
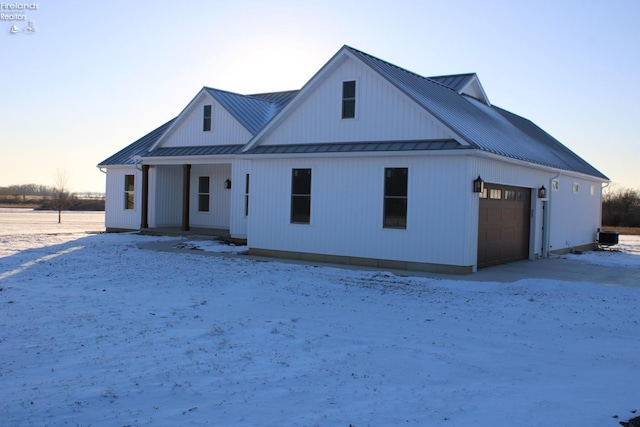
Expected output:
{"points": [[95, 331]]}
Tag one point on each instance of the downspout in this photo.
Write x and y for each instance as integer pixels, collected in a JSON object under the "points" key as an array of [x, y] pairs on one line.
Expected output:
{"points": [[547, 220], [103, 171]]}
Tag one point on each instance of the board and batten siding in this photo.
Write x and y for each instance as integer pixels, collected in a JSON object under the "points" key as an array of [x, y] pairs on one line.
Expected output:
{"points": [[116, 216], [238, 219], [225, 129], [165, 196], [347, 209], [575, 216], [219, 197], [382, 113]]}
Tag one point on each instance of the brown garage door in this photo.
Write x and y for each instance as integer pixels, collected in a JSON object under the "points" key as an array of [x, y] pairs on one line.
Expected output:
{"points": [[503, 226]]}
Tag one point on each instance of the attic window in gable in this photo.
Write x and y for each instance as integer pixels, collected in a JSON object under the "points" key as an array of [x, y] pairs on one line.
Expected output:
{"points": [[206, 119], [349, 99]]}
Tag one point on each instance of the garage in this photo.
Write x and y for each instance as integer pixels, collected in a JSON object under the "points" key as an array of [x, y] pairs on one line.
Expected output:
{"points": [[503, 225]]}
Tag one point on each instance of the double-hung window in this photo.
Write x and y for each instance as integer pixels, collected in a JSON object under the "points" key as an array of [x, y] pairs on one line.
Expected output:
{"points": [[206, 118], [349, 99], [395, 197], [129, 196], [203, 194], [301, 196]]}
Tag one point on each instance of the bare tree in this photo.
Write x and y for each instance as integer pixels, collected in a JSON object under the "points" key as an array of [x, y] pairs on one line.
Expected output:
{"points": [[61, 193]]}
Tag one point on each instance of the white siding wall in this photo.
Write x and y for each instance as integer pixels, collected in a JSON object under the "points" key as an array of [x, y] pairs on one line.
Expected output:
{"points": [[575, 217], [382, 113], [219, 198], [116, 216], [442, 218], [238, 220], [225, 129], [347, 209], [165, 196]]}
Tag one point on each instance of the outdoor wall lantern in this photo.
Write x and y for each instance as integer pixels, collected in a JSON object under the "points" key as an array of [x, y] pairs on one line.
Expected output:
{"points": [[542, 193], [478, 185], [227, 184]]}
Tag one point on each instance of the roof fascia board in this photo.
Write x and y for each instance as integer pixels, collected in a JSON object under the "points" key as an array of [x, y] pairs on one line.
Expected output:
{"points": [[302, 94], [181, 117]]}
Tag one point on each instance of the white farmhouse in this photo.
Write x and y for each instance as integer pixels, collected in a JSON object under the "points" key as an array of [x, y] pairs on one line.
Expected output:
{"points": [[367, 164]]}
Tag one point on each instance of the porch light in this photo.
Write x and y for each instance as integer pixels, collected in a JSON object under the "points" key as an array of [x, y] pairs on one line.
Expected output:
{"points": [[542, 193], [478, 185], [227, 184]]}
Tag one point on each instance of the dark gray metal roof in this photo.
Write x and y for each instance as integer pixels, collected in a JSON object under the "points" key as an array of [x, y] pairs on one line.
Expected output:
{"points": [[279, 98], [485, 127], [252, 111], [357, 147], [203, 150], [137, 148]]}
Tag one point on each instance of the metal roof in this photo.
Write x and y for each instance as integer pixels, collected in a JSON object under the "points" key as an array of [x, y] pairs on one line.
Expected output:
{"points": [[279, 98], [203, 150], [357, 147], [252, 111], [485, 127], [137, 148]]}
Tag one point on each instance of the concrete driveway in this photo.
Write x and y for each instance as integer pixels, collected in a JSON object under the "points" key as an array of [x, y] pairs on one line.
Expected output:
{"points": [[558, 269]]}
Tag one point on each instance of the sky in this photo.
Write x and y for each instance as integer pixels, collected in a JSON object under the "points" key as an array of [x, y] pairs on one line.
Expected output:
{"points": [[94, 77]]}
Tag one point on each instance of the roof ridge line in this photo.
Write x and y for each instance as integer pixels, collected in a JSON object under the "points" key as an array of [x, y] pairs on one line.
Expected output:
{"points": [[401, 69]]}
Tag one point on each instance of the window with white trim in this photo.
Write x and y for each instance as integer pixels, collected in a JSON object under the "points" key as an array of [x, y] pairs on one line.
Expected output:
{"points": [[349, 99], [206, 118], [301, 196], [129, 193], [395, 197], [204, 195]]}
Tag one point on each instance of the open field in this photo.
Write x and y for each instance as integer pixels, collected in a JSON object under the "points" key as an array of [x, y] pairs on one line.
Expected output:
{"points": [[95, 331]]}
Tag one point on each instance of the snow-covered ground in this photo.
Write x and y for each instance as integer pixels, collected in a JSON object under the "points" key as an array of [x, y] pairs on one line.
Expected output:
{"points": [[96, 331]]}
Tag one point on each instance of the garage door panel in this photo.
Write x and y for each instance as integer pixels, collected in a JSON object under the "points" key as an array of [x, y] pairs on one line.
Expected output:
{"points": [[494, 214], [503, 225]]}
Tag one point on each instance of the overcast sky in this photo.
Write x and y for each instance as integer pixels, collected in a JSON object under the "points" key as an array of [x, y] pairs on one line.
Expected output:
{"points": [[95, 76]]}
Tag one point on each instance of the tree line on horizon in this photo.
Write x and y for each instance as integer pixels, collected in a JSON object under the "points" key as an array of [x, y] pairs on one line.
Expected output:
{"points": [[621, 208], [43, 191]]}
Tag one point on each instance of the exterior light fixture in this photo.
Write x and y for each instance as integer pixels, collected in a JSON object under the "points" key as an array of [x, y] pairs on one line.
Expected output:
{"points": [[478, 185], [227, 184], [542, 193]]}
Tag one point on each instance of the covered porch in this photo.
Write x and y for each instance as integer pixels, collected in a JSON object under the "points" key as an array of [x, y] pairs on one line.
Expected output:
{"points": [[186, 198]]}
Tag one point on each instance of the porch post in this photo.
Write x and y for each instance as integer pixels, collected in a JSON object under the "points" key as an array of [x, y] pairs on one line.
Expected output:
{"points": [[144, 223], [186, 178]]}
